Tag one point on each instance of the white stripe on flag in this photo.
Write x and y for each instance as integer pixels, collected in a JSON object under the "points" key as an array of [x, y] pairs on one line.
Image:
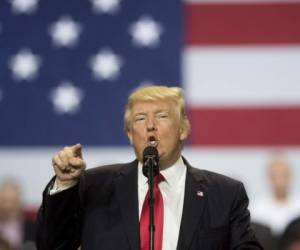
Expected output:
{"points": [[240, 1], [242, 75]]}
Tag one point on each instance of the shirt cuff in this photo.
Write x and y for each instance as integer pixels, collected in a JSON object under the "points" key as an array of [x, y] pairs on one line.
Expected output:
{"points": [[56, 189]]}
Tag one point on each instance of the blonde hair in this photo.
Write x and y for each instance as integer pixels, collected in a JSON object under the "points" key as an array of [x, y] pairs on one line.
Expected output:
{"points": [[153, 93]]}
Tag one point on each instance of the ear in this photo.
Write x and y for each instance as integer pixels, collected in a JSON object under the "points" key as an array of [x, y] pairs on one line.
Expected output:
{"points": [[183, 134]]}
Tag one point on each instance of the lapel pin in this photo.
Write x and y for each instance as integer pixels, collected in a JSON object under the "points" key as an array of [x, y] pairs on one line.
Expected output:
{"points": [[200, 193]]}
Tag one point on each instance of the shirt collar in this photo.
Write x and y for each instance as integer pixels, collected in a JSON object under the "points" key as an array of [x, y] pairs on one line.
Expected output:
{"points": [[172, 174]]}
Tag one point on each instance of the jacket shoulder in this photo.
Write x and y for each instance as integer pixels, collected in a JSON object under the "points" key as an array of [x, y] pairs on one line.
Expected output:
{"points": [[217, 183], [217, 178], [210, 176]]}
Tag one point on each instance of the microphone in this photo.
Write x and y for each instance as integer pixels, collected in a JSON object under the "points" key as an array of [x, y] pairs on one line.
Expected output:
{"points": [[150, 162], [150, 169]]}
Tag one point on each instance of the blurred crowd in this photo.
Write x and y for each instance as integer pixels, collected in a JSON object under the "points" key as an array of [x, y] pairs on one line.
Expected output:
{"points": [[275, 219]]}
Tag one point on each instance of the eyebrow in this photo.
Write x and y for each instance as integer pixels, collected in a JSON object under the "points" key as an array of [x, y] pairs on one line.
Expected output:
{"points": [[156, 112], [140, 113]]}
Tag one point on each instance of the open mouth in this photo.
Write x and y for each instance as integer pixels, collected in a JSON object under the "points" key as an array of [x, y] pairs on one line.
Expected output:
{"points": [[152, 141]]}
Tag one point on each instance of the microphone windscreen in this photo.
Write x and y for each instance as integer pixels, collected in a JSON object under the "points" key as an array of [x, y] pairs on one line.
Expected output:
{"points": [[150, 160], [150, 151]]}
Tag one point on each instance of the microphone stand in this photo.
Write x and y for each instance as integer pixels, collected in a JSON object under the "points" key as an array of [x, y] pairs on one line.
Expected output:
{"points": [[151, 165]]}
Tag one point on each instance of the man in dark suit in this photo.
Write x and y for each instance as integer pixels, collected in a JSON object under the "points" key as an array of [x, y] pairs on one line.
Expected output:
{"points": [[103, 208]]}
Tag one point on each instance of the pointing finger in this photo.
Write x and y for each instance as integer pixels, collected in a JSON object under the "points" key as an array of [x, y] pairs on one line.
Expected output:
{"points": [[77, 150]]}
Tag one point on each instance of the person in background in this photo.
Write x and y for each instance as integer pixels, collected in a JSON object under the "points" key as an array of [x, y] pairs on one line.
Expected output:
{"points": [[264, 236], [282, 207], [14, 227], [290, 239]]}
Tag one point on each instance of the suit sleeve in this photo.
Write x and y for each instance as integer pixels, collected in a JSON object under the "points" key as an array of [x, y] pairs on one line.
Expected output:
{"points": [[59, 220], [242, 235]]}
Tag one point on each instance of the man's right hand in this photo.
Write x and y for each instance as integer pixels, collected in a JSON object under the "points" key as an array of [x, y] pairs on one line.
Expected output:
{"points": [[68, 164]]}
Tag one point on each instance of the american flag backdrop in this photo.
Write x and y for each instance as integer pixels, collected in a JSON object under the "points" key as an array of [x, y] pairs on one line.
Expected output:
{"points": [[67, 67]]}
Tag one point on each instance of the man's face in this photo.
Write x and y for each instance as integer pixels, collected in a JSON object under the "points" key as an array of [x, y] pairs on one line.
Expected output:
{"points": [[280, 177], [10, 202], [157, 123]]}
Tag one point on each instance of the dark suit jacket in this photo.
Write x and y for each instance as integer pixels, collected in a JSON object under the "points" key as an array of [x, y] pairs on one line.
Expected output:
{"points": [[102, 213]]}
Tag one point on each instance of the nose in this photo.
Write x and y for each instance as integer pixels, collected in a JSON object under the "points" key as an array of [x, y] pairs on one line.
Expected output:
{"points": [[151, 125]]}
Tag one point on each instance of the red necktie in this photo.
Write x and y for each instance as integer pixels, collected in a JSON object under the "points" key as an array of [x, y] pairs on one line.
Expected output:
{"points": [[158, 217]]}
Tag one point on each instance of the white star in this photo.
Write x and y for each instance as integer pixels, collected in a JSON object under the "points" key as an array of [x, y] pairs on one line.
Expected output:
{"points": [[106, 65], [24, 6], [65, 32], [24, 65], [66, 98], [106, 6], [146, 32]]}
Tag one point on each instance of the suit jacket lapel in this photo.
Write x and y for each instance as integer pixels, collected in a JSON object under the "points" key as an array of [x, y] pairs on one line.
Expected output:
{"points": [[194, 202], [127, 194]]}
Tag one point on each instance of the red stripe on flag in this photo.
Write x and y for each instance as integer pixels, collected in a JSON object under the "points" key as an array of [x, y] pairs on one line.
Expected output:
{"points": [[245, 126], [241, 24]]}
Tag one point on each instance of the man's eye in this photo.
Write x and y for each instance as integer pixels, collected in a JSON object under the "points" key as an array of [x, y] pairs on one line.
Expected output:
{"points": [[162, 115], [137, 119]]}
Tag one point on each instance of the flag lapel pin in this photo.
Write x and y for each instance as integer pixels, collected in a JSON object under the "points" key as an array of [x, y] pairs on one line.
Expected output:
{"points": [[200, 193]]}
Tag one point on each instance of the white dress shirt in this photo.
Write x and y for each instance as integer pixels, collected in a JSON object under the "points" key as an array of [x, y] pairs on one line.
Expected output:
{"points": [[172, 190]]}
